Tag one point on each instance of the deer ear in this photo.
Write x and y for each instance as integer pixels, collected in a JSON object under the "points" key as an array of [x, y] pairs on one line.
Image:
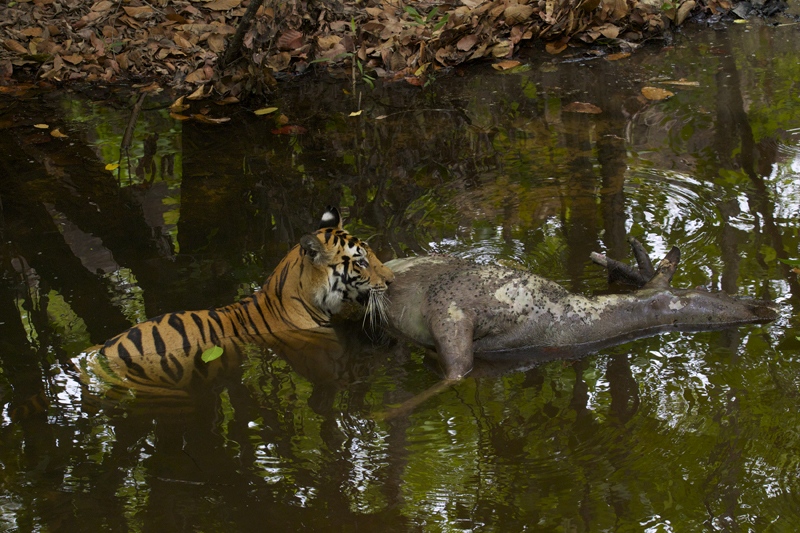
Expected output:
{"points": [[313, 248], [330, 219]]}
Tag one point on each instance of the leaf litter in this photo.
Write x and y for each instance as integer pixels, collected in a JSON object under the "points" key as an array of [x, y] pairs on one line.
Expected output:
{"points": [[182, 43]]}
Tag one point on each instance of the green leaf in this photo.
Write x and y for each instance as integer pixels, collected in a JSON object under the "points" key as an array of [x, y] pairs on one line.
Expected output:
{"points": [[414, 14], [212, 353], [790, 262], [441, 22], [432, 14]]}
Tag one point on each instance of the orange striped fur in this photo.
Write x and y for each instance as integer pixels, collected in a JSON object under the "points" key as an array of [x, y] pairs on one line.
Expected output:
{"points": [[328, 268]]}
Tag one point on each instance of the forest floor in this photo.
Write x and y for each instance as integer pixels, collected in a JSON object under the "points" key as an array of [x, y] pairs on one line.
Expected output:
{"points": [[183, 43]]}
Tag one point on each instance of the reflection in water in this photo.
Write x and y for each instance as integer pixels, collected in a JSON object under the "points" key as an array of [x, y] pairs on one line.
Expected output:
{"points": [[678, 432]]}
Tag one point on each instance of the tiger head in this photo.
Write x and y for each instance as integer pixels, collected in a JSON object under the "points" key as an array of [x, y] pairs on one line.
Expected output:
{"points": [[341, 267]]}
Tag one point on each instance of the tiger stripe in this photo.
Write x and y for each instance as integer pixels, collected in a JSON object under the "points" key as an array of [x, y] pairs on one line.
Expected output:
{"points": [[328, 268]]}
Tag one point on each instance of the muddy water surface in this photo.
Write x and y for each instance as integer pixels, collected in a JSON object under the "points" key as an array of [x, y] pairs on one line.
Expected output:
{"points": [[678, 432]]}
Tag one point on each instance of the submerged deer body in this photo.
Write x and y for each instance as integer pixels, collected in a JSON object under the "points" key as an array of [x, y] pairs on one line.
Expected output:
{"points": [[464, 310]]}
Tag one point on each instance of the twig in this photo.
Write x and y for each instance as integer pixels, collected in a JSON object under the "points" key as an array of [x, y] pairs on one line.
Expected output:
{"points": [[127, 138], [238, 38]]}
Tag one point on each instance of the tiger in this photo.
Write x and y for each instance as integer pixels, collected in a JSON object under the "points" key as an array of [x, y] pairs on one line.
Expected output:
{"points": [[326, 270]]}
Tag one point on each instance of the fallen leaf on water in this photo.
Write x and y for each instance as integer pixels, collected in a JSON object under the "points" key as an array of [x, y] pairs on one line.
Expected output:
{"points": [[227, 100], [56, 133], [582, 107], [283, 119], [618, 56], [208, 120], [178, 116], [555, 48], [41, 126], [683, 83], [654, 93], [796, 271], [198, 94], [265, 110], [215, 352], [505, 65], [178, 105], [415, 80], [290, 130], [153, 87], [112, 166], [354, 113], [381, 117]]}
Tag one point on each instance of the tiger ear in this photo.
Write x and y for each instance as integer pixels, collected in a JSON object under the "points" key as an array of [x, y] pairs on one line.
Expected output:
{"points": [[330, 219], [312, 247]]}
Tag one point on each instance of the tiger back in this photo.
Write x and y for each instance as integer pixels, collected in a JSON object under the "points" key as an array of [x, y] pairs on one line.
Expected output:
{"points": [[327, 269]]}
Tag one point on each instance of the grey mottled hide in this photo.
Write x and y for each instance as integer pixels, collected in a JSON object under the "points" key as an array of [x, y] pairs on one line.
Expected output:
{"points": [[461, 308]]}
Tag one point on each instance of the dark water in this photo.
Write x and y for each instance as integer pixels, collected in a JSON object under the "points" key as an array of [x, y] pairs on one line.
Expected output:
{"points": [[678, 432]]}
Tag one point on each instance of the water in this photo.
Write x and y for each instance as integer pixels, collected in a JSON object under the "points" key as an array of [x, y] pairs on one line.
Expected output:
{"points": [[678, 432]]}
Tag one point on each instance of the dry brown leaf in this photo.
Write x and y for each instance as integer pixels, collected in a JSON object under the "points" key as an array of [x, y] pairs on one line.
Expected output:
{"points": [[178, 105], [197, 76], [105, 5], [555, 48], [178, 116], [222, 5], [582, 107], [618, 8], [654, 93], [74, 58], [57, 134], [138, 12], [618, 56], [684, 11], [32, 32], [279, 62], [216, 42], [502, 49], [41, 126], [200, 29], [291, 40], [505, 65], [283, 119], [14, 46], [609, 31], [467, 42], [151, 88], [328, 42], [517, 13], [198, 94]]}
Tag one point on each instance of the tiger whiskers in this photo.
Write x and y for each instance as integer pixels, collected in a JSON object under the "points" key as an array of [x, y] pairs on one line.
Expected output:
{"points": [[376, 308]]}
